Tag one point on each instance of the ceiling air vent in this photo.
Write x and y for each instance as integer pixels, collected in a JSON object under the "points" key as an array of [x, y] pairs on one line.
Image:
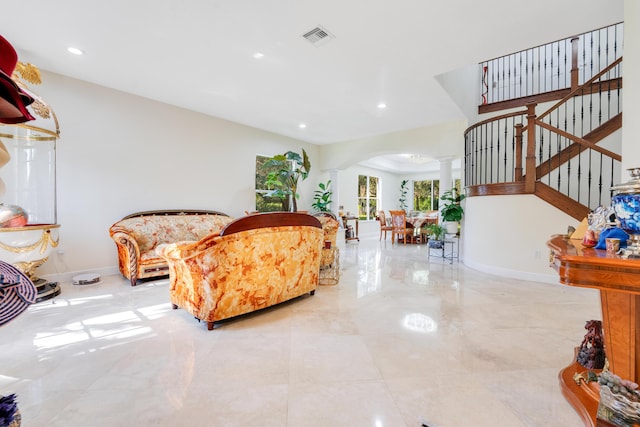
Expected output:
{"points": [[318, 36]]}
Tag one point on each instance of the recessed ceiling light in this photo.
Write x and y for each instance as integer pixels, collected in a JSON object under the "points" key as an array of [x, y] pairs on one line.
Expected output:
{"points": [[258, 55], [75, 50], [302, 125], [382, 105]]}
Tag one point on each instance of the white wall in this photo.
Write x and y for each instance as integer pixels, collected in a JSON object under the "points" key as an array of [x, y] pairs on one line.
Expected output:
{"points": [[120, 153], [631, 97], [507, 235]]}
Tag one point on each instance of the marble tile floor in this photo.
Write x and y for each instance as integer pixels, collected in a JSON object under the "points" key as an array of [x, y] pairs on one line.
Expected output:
{"points": [[399, 341]]}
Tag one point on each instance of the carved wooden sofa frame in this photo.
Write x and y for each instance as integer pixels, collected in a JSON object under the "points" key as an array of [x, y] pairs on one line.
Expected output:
{"points": [[139, 234]]}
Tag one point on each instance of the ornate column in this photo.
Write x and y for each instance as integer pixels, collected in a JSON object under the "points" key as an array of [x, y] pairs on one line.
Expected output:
{"points": [[446, 180]]}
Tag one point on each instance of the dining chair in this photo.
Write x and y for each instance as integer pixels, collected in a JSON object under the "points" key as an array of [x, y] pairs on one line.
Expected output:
{"points": [[399, 225], [383, 226]]}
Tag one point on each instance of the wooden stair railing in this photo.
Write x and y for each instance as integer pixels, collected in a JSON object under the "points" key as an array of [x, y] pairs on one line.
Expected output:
{"points": [[547, 72], [589, 141], [615, 83], [586, 88], [561, 201], [528, 156]]}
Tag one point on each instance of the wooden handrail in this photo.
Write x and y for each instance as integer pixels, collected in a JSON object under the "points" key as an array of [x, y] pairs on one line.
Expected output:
{"points": [[580, 141], [578, 89], [494, 119]]}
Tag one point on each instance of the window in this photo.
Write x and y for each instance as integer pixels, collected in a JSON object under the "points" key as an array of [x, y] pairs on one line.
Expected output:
{"points": [[265, 203], [426, 195], [368, 197], [456, 184]]}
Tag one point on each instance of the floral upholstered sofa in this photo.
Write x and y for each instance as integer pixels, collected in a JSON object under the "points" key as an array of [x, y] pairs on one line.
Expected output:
{"points": [[254, 262], [137, 236]]}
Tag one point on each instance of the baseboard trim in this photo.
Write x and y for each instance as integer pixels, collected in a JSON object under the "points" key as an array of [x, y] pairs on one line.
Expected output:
{"points": [[68, 276], [550, 278]]}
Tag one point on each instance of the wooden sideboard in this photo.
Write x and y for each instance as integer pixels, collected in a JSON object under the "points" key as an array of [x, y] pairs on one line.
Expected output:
{"points": [[618, 281]]}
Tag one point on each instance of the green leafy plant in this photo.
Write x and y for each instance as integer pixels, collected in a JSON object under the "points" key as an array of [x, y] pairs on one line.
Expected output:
{"points": [[322, 197], [435, 231], [452, 210], [284, 181], [403, 194]]}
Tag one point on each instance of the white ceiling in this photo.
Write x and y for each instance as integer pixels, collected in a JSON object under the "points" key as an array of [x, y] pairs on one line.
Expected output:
{"points": [[408, 163], [198, 54]]}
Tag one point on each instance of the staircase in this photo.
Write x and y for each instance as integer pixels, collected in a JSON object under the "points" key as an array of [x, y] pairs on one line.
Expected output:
{"points": [[568, 155]]}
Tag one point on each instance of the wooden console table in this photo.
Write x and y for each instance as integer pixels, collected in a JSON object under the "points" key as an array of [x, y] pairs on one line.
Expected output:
{"points": [[618, 281]]}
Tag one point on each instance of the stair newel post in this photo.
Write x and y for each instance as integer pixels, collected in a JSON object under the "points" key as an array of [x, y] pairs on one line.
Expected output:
{"points": [[574, 63], [530, 166], [518, 155]]}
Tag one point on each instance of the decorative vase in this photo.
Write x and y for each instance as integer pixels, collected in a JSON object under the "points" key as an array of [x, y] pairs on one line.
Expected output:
{"points": [[626, 205]]}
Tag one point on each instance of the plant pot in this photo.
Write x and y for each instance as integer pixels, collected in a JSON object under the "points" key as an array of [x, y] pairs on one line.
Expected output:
{"points": [[435, 244], [451, 227]]}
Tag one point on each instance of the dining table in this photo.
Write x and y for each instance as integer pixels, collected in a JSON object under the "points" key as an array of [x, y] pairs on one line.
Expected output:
{"points": [[419, 220]]}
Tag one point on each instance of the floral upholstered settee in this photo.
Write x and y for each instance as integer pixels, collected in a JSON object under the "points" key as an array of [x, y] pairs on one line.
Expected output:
{"points": [[254, 262], [138, 235]]}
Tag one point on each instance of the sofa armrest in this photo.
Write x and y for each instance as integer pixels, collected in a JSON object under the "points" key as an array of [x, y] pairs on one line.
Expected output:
{"points": [[128, 254]]}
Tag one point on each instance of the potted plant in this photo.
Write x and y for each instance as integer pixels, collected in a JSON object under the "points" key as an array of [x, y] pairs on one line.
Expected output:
{"points": [[436, 235], [403, 194], [322, 197], [452, 211], [284, 181]]}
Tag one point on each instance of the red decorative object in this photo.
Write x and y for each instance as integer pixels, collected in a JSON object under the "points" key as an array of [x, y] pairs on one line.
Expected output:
{"points": [[485, 85], [13, 100]]}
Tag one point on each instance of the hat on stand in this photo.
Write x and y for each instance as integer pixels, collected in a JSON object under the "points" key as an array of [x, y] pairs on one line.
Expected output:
{"points": [[17, 292], [13, 99]]}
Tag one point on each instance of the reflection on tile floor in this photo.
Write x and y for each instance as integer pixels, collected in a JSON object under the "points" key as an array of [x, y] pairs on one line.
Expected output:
{"points": [[399, 341]]}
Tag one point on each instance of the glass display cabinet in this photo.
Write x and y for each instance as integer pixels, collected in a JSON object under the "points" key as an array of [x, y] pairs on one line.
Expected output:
{"points": [[28, 187]]}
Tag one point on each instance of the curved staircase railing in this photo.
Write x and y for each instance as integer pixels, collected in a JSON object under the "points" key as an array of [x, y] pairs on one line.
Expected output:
{"points": [[568, 155]]}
